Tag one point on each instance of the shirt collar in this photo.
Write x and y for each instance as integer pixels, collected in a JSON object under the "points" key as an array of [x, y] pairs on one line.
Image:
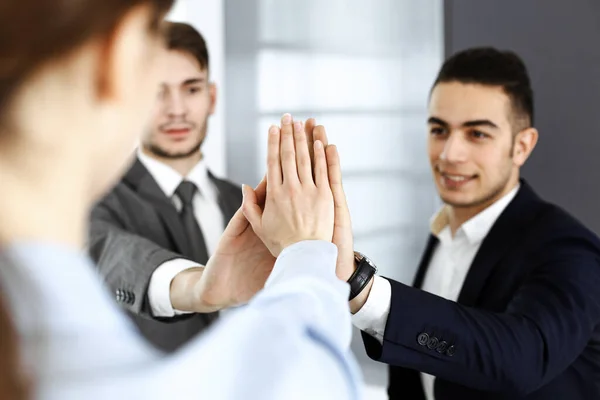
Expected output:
{"points": [[168, 179], [477, 228]]}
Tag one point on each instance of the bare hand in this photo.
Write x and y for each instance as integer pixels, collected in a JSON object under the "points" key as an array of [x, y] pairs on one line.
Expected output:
{"points": [[342, 232], [241, 263], [298, 207]]}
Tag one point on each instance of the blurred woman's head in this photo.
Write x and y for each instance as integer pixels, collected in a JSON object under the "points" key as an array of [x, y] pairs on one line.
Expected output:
{"points": [[77, 80], [76, 83]]}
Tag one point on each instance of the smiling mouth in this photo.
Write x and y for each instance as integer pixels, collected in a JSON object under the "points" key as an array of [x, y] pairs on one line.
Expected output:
{"points": [[455, 181], [458, 178]]}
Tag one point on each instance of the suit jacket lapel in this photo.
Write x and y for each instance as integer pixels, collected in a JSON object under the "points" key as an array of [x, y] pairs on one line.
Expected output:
{"points": [[144, 184], [425, 259], [228, 204], [505, 234]]}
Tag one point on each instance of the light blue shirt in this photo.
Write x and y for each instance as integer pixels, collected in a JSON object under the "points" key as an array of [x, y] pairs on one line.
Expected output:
{"points": [[290, 342]]}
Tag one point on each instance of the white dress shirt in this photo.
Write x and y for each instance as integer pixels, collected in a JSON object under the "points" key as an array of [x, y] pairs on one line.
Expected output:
{"points": [[290, 342], [446, 273], [208, 214]]}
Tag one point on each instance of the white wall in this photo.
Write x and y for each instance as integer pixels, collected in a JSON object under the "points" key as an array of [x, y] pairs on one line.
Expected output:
{"points": [[208, 17]]}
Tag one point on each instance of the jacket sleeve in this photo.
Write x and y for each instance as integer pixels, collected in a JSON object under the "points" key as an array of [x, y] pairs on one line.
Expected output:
{"points": [[544, 328], [125, 260]]}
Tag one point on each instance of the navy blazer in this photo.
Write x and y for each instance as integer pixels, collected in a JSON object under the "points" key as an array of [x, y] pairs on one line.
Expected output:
{"points": [[526, 324]]}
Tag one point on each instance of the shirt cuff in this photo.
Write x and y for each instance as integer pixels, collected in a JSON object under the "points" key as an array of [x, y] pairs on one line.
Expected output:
{"points": [[159, 289], [372, 317], [308, 257]]}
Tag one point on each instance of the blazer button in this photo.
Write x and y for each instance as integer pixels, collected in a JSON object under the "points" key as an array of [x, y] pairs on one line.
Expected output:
{"points": [[442, 347], [423, 339], [451, 351], [119, 295], [130, 297], [432, 343]]}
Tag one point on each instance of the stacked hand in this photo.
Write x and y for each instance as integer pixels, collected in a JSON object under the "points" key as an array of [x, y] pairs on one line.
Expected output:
{"points": [[302, 198], [298, 207]]}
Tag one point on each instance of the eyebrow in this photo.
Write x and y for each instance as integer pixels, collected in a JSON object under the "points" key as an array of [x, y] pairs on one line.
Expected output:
{"points": [[467, 124], [193, 81]]}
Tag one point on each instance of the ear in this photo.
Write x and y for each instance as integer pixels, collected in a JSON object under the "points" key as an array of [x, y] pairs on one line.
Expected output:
{"points": [[213, 97], [124, 54], [524, 143]]}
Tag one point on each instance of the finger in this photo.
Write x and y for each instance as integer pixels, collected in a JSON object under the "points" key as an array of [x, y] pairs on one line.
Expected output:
{"points": [[288, 153], [251, 209], [274, 173], [302, 154], [320, 134], [335, 176], [321, 179], [309, 127], [237, 224], [261, 192]]}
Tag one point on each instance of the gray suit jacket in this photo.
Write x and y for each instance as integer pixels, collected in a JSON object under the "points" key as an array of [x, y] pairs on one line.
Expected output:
{"points": [[133, 230]]}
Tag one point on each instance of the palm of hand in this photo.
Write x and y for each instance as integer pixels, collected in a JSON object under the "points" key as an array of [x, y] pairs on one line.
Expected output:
{"points": [[237, 271]]}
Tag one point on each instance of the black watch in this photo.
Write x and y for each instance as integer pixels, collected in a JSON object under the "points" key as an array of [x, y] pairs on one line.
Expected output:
{"points": [[365, 269]]}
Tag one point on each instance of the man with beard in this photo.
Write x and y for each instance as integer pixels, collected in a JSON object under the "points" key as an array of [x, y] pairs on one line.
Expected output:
{"points": [[165, 217], [505, 303]]}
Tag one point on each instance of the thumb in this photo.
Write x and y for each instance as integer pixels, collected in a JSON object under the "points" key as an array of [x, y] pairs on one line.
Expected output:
{"points": [[251, 208], [261, 192], [335, 182]]}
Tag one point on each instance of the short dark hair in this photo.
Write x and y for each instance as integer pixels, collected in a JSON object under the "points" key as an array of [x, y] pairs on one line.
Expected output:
{"points": [[491, 67], [184, 37]]}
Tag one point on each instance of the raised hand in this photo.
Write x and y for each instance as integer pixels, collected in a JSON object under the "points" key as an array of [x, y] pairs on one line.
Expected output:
{"points": [[298, 206], [342, 232], [240, 265]]}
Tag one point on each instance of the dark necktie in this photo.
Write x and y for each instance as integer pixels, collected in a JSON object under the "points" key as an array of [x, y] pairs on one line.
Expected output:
{"points": [[186, 191]]}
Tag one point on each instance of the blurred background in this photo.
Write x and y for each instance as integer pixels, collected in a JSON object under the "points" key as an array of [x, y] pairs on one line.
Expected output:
{"points": [[364, 70]]}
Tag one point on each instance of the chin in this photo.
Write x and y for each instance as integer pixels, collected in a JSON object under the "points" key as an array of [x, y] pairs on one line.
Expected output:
{"points": [[459, 200], [171, 150]]}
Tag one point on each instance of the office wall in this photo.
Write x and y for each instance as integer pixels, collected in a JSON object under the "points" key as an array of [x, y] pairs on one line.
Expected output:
{"points": [[208, 17], [560, 43], [363, 70]]}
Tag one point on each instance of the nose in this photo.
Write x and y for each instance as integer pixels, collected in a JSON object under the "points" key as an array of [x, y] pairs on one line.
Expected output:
{"points": [[455, 149], [175, 105]]}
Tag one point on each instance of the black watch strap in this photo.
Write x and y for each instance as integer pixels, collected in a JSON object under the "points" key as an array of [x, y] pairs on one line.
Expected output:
{"points": [[362, 275]]}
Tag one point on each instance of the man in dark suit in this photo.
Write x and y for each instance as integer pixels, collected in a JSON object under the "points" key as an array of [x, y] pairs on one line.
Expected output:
{"points": [[164, 219], [505, 304]]}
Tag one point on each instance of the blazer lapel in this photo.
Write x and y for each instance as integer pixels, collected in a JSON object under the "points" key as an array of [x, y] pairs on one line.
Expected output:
{"points": [[227, 203], [425, 259], [505, 234], [145, 185]]}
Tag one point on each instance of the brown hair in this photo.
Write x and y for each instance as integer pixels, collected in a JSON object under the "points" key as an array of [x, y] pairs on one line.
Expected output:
{"points": [[35, 32], [184, 37]]}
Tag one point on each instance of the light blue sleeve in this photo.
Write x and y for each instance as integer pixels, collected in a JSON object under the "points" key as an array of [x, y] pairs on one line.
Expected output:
{"points": [[291, 342]]}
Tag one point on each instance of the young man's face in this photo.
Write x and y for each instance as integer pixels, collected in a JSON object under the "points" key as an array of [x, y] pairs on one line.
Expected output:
{"points": [[471, 144], [185, 101]]}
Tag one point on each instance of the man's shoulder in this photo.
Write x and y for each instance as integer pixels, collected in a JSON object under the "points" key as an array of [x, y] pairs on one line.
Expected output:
{"points": [[226, 185], [119, 194], [557, 230]]}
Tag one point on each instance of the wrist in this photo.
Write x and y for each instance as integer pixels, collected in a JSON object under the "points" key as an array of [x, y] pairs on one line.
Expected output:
{"points": [[360, 281], [185, 290], [359, 301]]}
